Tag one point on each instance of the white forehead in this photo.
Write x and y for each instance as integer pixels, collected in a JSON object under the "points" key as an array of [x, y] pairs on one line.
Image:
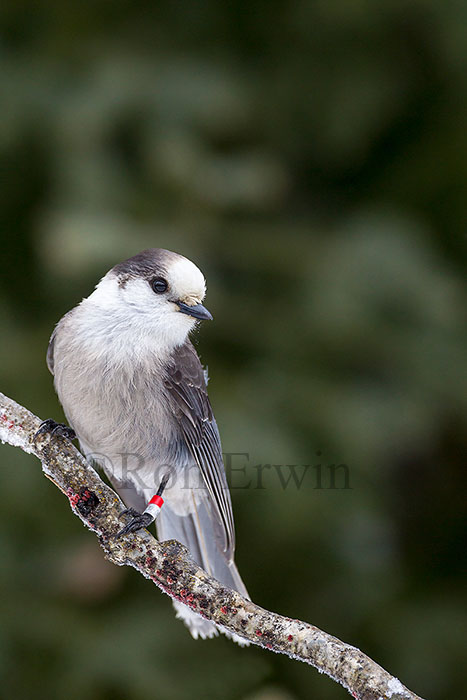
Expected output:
{"points": [[185, 279]]}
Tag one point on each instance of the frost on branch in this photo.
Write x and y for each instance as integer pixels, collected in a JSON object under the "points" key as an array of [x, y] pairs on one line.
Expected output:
{"points": [[170, 567]]}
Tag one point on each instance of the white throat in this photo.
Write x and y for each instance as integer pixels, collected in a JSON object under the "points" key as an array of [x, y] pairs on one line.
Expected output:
{"points": [[128, 324]]}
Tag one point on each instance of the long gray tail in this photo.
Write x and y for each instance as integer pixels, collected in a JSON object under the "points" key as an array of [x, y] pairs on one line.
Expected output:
{"points": [[196, 531]]}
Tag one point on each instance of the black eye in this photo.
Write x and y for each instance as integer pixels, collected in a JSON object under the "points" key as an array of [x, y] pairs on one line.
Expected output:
{"points": [[159, 285]]}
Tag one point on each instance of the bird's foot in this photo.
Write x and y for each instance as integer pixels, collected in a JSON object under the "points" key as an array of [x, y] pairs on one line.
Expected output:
{"points": [[53, 428], [137, 522]]}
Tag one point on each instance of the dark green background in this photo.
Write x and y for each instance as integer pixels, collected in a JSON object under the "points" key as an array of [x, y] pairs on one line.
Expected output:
{"points": [[311, 158]]}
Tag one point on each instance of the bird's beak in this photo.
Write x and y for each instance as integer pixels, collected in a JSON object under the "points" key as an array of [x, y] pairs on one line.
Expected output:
{"points": [[197, 311]]}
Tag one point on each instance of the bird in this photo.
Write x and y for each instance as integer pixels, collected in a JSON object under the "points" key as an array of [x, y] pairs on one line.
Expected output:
{"points": [[134, 393]]}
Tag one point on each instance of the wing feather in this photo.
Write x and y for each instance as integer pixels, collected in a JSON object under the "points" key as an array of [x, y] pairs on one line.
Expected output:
{"points": [[185, 384], [50, 352]]}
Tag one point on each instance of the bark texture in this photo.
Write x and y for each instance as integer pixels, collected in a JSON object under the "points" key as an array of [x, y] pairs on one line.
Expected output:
{"points": [[170, 567]]}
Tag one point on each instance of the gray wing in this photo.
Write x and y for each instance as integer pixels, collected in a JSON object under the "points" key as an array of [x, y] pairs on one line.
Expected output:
{"points": [[51, 347], [50, 352], [185, 384]]}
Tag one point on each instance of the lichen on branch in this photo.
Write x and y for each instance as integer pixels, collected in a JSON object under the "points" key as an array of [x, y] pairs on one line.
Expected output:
{"points": [[169, 566]]}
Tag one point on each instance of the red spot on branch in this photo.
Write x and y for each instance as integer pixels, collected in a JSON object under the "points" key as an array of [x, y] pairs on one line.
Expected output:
{"points": [[72, 497], [259, 633], [10, 423], [290, 637], [224, 610]]}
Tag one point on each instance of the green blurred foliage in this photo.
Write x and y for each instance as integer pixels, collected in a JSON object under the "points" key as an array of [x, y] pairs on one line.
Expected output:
{"points": [[311, 158]]}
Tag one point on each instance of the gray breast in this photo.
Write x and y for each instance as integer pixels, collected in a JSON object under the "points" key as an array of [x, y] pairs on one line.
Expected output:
{"points": [[114, 407]]}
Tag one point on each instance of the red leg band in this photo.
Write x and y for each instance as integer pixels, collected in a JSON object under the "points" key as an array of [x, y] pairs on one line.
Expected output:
{"points": [[157, 500]]}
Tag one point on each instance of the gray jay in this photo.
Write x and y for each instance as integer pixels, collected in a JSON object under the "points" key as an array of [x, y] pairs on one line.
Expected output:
{"points": [[134, 392]]}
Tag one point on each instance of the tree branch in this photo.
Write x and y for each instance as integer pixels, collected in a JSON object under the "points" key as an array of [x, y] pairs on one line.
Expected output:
{"points": [[170, 567]]}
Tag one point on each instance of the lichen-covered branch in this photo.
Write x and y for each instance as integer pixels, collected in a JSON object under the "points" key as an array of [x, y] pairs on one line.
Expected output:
{"points": [[170, 567]]}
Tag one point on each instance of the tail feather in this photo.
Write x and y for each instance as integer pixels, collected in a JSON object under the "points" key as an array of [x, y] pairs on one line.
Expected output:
{"points": [[196, 531]]}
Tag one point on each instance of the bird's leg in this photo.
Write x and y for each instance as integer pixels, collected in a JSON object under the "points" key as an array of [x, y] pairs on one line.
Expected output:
{"points": [[140, 520], [53, 428]]}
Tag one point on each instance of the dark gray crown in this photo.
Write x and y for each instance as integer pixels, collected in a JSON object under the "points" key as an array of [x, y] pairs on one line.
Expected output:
{"points": [[152, 262]]}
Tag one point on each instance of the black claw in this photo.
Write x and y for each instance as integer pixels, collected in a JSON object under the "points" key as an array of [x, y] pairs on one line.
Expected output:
{"points": [[139, 520], [130, 511], [51, 426]]}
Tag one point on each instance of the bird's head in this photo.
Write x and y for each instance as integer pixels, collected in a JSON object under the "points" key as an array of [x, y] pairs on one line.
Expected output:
{"points": [[156, 293]]}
